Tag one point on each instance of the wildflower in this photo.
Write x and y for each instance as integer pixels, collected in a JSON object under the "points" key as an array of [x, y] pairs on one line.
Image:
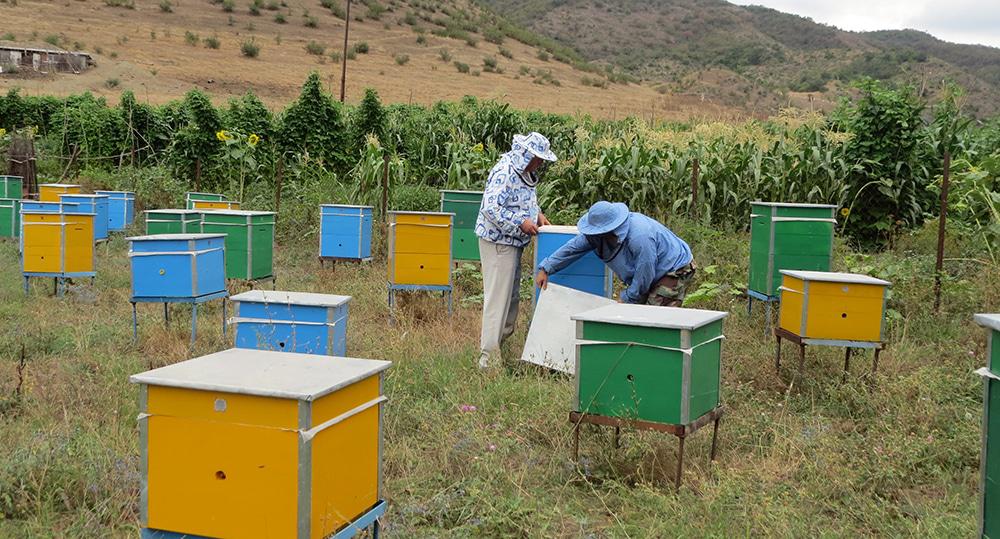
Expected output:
{"points": [[2, 131], [222, 136], [253, 139], [467, 408], [845, 212], [493, 447], [478, 148]]}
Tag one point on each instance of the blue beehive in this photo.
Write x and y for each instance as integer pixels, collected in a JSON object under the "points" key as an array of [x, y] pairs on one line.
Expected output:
{"points": [[588, 274], [177, 265], [96, 204], [345, 232], [121, 209], [291, 322]]}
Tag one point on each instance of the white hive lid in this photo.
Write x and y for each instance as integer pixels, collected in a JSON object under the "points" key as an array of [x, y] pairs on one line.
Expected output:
{"points": [[175, 237], [294, 298], [991, 321], [834, 277], [264, 373], [793, 204], [172, 210], [558, 229], [59, 185], [651, 316], [345, 206]]}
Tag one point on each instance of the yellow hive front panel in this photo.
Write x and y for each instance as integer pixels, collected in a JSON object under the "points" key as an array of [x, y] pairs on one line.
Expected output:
{"points": [[420, 269], [42, 247], [345, 471], [79, 247], [344, 400], [215, 205], [221, 480], [854, 314], [222, 407], [422, 239], [51, 194], [790, 316], [421, 219], [42, 260]]}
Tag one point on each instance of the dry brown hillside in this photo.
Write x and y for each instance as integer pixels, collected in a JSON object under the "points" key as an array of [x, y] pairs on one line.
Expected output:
{"points": [[160, 55]]}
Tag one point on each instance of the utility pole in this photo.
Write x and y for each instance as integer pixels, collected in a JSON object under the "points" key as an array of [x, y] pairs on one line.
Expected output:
{"points": [[343, 59]]}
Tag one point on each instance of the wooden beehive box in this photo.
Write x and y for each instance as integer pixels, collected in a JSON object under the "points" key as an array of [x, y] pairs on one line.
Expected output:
{"points": [[49, 192], [11, 187], [588, 274], [640, 362], [259, 444], [173, 221], [834, 307], [249, 241], [95, 204], [345, 232], [465, 206], [291, 322], [214, 205], [121, 209], [191, 197], [10, 217], [58, 244], [177, 265], [420, 248], [788, 236], [989, 502]]}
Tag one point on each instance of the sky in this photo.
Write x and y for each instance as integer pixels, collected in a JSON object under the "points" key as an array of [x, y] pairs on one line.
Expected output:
{"points": [[958, 21]]}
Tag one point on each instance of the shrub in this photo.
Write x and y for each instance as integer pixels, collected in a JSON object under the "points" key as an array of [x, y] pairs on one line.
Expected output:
{"points": [[166, 6], [471, 41], [351, 55], [315, 48], [250, 48], [255, 9], [310, 21], [8, 37], [127, 4], [543, 56], [52, 39], [493, 35], [272, 5], [421, 40], [462, 67], [361, 47], [211, 42], [444, 55], [338, 12], [328, 4], [280, 18], [490, 64], [191, 38], [228, 6], [505, 52], [410, 18], [402, 59], [336, 57], [112, 83]]}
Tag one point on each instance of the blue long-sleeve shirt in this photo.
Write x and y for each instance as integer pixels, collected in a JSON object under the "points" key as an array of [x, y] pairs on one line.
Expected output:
{"points": [[645, 252]]}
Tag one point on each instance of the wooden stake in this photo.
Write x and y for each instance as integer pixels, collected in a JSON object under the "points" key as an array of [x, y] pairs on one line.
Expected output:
{"points": [[343, 60], [942, 221]]}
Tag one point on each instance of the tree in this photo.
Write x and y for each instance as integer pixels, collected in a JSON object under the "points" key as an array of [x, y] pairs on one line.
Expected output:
{"points": [[314, 124], [196, 143], [368, 119]]}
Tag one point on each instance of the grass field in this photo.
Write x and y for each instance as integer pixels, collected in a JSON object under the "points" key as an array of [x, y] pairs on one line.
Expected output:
{"points": [[806, 456]]}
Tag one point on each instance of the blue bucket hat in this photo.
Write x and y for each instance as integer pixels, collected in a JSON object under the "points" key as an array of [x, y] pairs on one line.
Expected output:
{"points": [[603, 217]]}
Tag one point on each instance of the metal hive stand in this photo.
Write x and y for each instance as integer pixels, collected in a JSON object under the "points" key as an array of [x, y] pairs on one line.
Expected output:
{"points": [[780, 333], [447, 289], [767, 301], [334, 259], [59, 280], [680, 431], [194, 301]]}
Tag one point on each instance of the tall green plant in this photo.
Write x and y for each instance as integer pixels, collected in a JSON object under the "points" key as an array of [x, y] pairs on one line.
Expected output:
{"points": [[314, 125]]}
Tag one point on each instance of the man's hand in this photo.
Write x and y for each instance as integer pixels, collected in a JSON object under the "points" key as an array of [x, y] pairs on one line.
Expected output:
{"points": [[542, 220], [542, 279], [529, 227]]}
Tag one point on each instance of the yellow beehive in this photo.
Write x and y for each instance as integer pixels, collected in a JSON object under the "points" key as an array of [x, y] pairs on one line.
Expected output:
{"points": [[49, 192], [58, 243], [827, 306], [252, 443], [215, 205], [420, 248]]}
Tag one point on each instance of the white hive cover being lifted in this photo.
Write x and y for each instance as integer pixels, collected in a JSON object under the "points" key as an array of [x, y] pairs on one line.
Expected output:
{"points": [[991, 321], [294, 298], [551, 338], [559, 229], [269, 374], [834, 277], [651, 316]]}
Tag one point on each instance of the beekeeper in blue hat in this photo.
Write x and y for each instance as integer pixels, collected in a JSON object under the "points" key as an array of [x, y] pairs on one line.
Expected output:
{"points": [[508, 217], [656, 265]]}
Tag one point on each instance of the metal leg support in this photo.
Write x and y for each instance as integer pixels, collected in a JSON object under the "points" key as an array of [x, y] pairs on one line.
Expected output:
{"points": [[26, 285], [223, 317], [166, 316], [576, 442], [767, 315], [194, 322], [802, 358], [847, 363], [618, 432], [715, 437], [376, 529], [680, 463], [135, 324], [449, 302], [777, 354], [875, 361]]}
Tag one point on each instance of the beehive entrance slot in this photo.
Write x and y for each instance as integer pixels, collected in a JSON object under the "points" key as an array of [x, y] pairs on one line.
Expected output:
{"points": [[220, 475]]}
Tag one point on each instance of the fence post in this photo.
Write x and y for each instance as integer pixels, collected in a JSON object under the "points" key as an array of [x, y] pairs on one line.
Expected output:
{"points": [[343, 59], [695, 172], [385, 188], [278, 175], [942, 221]]}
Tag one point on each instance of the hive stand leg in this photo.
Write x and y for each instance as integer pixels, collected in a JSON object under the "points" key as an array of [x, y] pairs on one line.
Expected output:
{"points": [[777, 354], [376, 529], [449, 303], [274, 283], [802, 358], [55, 286], [618, 432], [680, 462], [875, 362], [847, 363], [135, 324], [166, 316], [576, 442], [749, 304], [767, 315], [223, 317], [194, 322], [26, 285], [715, 437]]}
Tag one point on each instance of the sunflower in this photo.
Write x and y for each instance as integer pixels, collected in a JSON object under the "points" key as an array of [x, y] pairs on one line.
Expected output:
{"points": [[2, 131], [253, 139], [478, 148], [845, 212], [222, 136]]}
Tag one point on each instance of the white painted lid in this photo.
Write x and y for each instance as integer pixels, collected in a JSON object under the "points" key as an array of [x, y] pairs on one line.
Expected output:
{"points": [[295, 298], [991, 321], [59, 185], [82, 195], [173, 211], [793, 204], [268, 374], [834, 277], [175, 237], [400, 212], [558, 229], [189, 193], [246, 213], [461, 191], [103, 192], [345, 206], [651, 316]]}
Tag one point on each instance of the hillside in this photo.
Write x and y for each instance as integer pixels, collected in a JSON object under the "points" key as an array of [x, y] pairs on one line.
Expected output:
{"points": [[416, 52], [753, 56]]}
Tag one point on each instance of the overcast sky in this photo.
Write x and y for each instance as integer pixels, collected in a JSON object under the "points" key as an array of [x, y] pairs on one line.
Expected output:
{"points": [[959, 21]]}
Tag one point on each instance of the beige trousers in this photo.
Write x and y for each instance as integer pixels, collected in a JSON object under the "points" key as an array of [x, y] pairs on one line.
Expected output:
{"points": [[501, 293]]}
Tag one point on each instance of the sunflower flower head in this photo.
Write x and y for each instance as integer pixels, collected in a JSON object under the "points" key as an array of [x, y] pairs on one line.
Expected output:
{"points": [[222, 136], [253, 139], [845, 212]]}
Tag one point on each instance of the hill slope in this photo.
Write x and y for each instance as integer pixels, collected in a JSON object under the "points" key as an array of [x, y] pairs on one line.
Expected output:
{"points": [[752, 54]]}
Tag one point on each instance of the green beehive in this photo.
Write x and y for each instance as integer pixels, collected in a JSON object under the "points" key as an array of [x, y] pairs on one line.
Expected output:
{"points": [[190, 197], [10, 217], [249, 241], [11, 187], [787, 236], [989, 503], [465, 206], [173, 222], [640, 362]]}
